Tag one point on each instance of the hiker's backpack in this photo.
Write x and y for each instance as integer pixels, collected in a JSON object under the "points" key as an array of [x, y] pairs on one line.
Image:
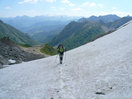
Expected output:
{"points": [[61, 49]]}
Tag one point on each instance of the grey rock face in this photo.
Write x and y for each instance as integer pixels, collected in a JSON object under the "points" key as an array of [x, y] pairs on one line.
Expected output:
{"points": [[9, 50], [3, 61]]}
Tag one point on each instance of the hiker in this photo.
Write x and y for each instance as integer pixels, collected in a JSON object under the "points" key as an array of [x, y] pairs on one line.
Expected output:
{"points": [[61, 51]]}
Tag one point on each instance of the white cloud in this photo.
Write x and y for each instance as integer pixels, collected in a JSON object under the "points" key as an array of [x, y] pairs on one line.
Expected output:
{"points": [[91, 4], [65, 1], [114, 8], [62, 8], [87, 4], [8, 8], [35, 1], [119, 13], [100, 5], [53, 7], [51, 1], [76, 9], [68, 2], [28, 1], [71, 4], [81, 11]]}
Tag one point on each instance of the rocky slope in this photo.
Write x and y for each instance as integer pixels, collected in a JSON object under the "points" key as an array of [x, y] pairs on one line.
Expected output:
{"points": [[10, 53]]}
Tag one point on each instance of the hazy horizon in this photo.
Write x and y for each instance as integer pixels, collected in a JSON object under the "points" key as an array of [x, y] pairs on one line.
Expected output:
{"points": [[81, 8], [62, 16]]}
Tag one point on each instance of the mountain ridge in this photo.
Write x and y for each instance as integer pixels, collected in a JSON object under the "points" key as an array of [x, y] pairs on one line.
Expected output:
{"points": [[15, 35], [105, 18], [79, 33], [40, 28]]}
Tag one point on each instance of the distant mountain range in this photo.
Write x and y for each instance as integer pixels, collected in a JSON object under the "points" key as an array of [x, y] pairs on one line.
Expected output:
{"points": [[23, 22], [15, 35], [40, 28], [60, 29], [46, 30], [84, 31], [105, 18]]}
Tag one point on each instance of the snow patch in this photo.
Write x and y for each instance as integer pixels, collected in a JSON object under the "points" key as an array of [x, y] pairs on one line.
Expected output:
{"points": [[12, 61]]}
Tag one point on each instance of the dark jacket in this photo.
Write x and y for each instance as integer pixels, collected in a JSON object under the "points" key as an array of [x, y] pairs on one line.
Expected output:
{"points": [[59, 48]]}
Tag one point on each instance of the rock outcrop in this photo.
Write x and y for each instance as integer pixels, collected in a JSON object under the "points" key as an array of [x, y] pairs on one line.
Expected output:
{"points": [[10, 51]]}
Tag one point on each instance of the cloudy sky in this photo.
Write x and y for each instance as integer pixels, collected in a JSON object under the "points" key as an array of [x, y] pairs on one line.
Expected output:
{"points": [[12, 8]]}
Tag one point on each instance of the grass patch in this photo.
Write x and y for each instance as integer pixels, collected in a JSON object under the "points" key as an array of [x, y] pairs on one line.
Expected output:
{"points": [[25, 45], [49, 50]]}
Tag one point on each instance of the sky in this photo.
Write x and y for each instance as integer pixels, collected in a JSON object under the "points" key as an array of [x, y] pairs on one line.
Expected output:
{"points": [[86, 8]]}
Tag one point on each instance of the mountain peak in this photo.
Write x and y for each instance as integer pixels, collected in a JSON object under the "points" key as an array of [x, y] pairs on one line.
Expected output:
{"points": [[105, 18]]}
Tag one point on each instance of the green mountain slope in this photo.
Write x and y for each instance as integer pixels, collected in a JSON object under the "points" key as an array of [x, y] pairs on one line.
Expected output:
{"points": [[119, 22], [15, 35], [40, 28], [78, 33]]}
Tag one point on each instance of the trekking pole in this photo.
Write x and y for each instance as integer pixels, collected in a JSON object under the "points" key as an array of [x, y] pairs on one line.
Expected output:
{"points": [[65, 57], [56, 58]]}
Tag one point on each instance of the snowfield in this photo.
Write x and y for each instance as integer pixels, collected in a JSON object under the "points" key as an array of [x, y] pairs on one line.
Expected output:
{"points": [[103, 66]]}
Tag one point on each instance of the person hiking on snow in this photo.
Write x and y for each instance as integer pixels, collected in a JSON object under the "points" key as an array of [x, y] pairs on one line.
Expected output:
{"points": [[61, 51]]}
